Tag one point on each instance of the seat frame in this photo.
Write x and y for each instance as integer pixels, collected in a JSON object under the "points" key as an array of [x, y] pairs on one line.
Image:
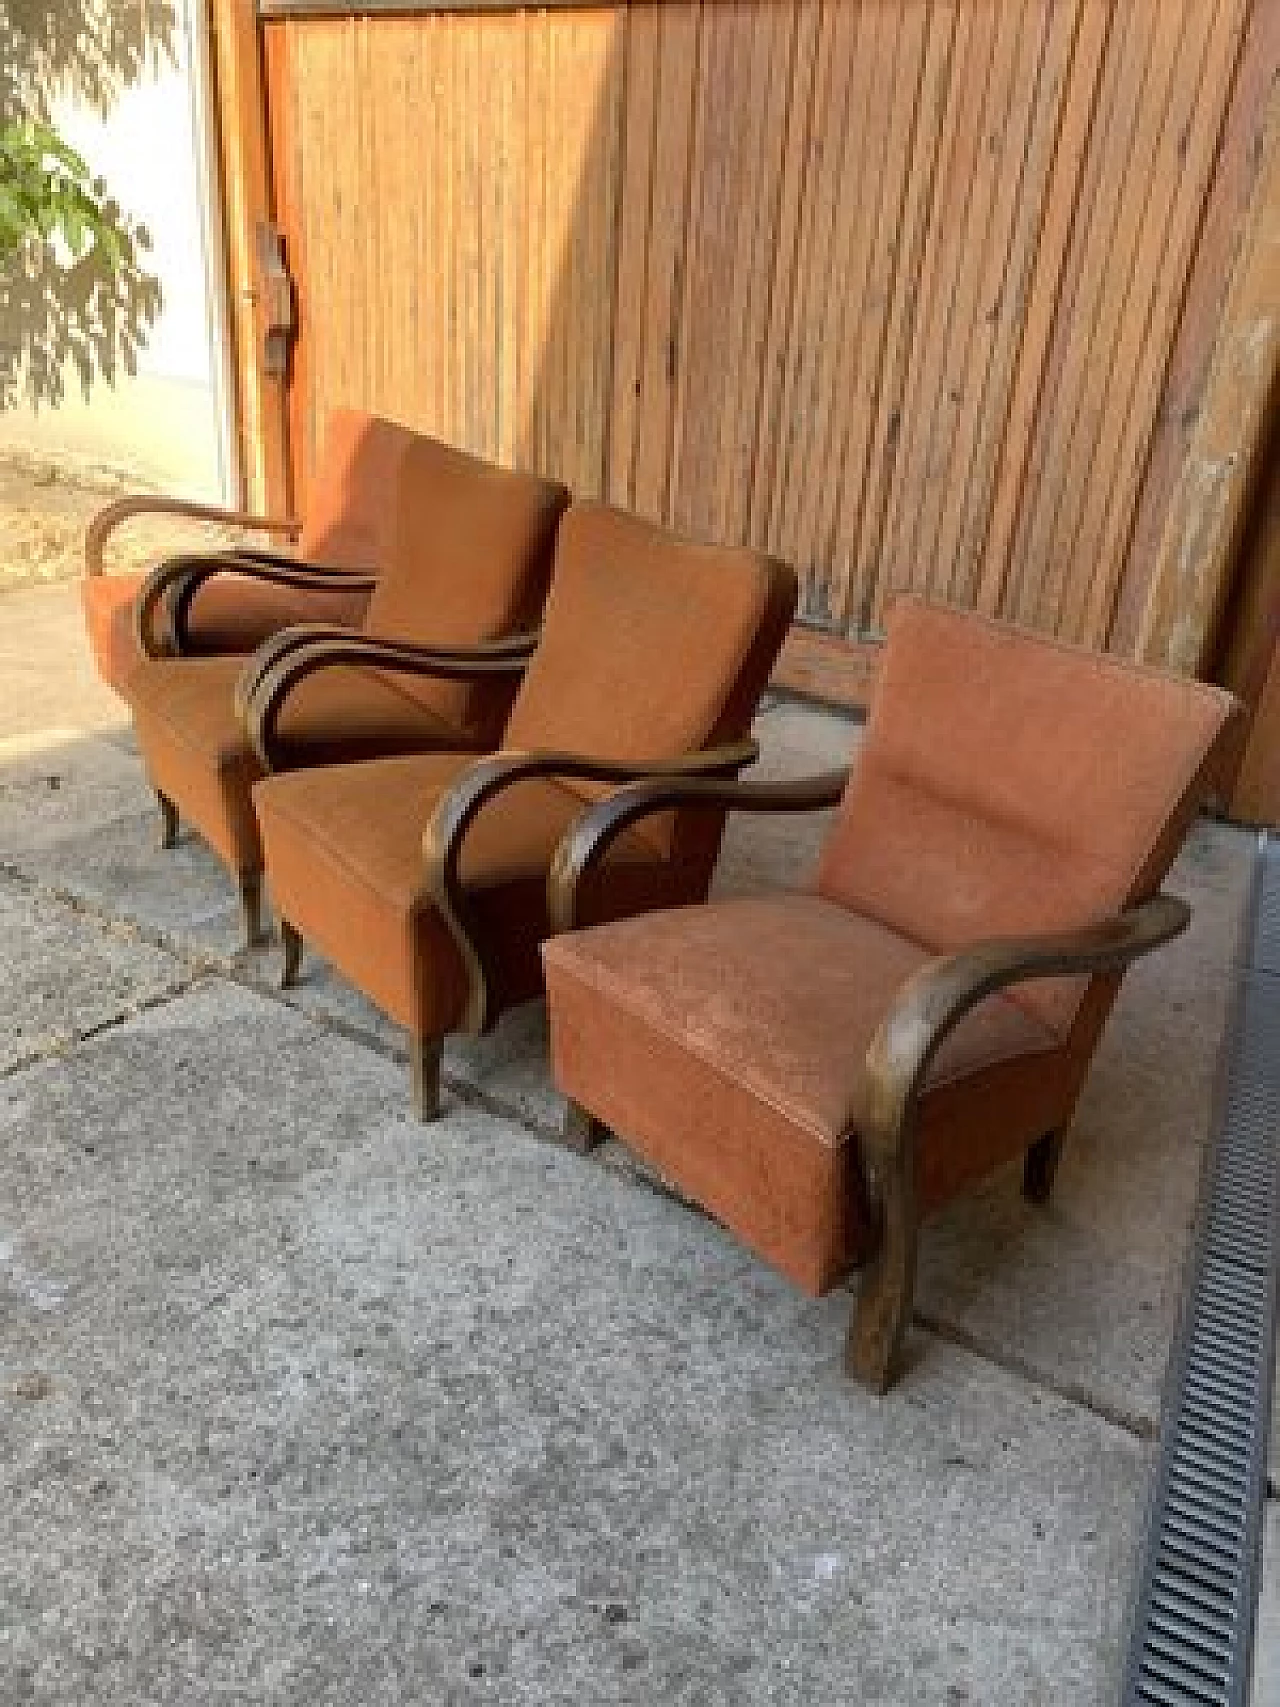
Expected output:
{"points": [[927, 1008], [264, 696]]}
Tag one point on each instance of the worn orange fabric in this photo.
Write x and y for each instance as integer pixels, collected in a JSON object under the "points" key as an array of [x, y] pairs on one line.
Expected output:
{"points": [[651, 648], [1009, 784], [197, 753], [471, 547], [347, 506], [345, 863], [727, 1042], [231, 614], [348, 512], [1006, 785]]}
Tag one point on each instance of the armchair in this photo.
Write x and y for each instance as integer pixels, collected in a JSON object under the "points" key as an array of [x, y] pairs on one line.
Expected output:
{"points": [[466, 557], [424, 878], [822, 1069], [235, 612]]}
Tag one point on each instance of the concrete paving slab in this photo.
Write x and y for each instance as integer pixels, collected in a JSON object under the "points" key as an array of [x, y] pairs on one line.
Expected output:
{"points": [[182, 892], [61, 783], [767, 851], [63, 978], [508, 1066], [1265, 1688], [304, 1402], [47, 677], [1086, 1291]]}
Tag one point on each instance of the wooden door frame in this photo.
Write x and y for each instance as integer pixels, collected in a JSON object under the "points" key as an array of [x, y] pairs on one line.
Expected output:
{"points": [[244, 147]]}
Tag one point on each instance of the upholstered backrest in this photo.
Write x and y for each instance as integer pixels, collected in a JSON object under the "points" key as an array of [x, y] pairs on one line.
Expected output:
{"points": [[1009, 784], [652, 645], [351, 497], [468, 560]]}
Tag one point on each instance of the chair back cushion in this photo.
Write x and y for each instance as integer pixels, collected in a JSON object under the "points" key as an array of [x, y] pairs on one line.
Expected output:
{"points": [[468, 561], [1011, 785], [350, 500], [653, 646]]}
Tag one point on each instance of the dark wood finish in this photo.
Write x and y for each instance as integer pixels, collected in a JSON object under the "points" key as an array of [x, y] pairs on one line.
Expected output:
{"points": [[424, 1076], [265, 700], [457, 809], [122, 510], [250, 883], [1040, 1168], [928, 1008], [169, 822], [291, 944], [583, 1133], [164, 600], [586, 844]]}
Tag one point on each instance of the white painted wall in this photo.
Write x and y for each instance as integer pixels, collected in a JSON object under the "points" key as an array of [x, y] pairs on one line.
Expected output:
{"points": [[166, 426]]}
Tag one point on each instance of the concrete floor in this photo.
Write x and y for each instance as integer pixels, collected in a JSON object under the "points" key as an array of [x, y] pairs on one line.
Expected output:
{"points": [[302, 1401]]}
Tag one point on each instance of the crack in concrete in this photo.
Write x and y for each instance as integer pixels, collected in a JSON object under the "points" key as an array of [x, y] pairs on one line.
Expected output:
{"points": [[207, 964]]}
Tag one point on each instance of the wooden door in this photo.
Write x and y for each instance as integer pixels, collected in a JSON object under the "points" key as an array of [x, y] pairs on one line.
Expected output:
{"points": [[916, 293]]}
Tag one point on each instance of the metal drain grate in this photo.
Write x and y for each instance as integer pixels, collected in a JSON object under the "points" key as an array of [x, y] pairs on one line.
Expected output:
{"points": [[1193, 1629]]}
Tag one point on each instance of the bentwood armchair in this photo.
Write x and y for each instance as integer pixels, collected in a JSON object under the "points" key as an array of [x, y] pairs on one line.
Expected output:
{"points": [[822, 1069], [466, 557], [326, 578], [423, 879]]}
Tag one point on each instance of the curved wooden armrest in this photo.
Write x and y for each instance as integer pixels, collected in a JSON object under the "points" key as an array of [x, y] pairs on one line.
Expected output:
{"points": [[264, 698], [114, 515], [928, 1007], [458, 808], [933, 1002], [590, 837], [170, 588]]}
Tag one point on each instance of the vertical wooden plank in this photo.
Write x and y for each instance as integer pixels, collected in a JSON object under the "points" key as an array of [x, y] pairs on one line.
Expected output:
{"points": [[261, 401], [870, 43], [1210, 507], [1049, 296], [949, 239], [1192, 136], [1006, 290], [891, 52], [973, 311], [1101, 386], [932, 102], [679, 29], [755, 265], [632, 239], [796, 158], [913, 94], [709, 350], [1217, 241]]}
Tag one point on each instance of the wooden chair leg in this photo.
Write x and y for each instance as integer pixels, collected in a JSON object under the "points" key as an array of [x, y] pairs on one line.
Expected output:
{"points": [[887, 1289], [168, 821], [251, 907], [291, 943], [424, 1076], [582, 1131], [1040, 1168]]}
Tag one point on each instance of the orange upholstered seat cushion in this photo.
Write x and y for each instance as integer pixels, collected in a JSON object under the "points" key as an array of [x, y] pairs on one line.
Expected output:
{"points": [[344, 857], [198, 752], [727, 1041]]}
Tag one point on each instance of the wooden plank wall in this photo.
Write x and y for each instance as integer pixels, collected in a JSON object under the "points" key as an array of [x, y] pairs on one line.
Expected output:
{"points": [[895, 288]]}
